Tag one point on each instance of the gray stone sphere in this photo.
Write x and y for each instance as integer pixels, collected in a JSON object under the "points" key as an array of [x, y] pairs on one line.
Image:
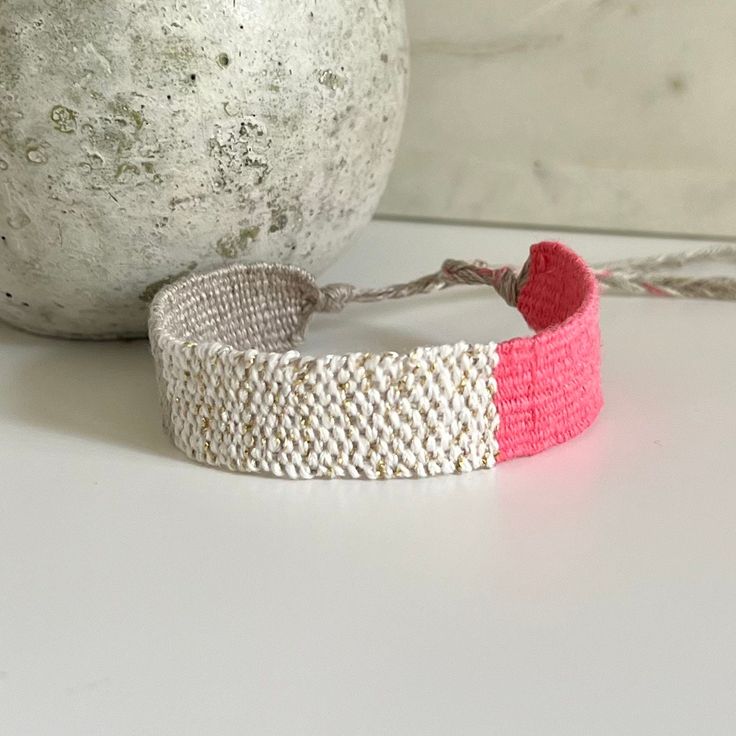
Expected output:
{"points": [[140, 141]]}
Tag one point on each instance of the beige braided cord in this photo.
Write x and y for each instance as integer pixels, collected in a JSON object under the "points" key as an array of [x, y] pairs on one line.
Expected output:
{"points": [[505, 280], [646, 277], [629, 277]]}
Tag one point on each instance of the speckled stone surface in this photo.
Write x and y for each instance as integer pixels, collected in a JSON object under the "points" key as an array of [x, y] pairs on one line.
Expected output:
{"points": [[141, 141]]}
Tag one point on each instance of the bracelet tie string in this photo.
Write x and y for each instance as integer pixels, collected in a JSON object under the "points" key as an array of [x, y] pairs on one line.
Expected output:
{"points": [[629, 277]]}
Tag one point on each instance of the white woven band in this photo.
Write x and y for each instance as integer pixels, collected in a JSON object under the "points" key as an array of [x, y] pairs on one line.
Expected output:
{"points": [[237, 395]]}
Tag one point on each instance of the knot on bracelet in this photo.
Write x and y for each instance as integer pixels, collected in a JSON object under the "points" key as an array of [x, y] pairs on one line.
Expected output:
{"points": [[334, 297], [503, 279]]}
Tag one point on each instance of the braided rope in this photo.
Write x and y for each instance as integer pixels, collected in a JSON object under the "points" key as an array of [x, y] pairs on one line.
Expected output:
{"points": [[632, 277], [504, 279], [643, 277]]}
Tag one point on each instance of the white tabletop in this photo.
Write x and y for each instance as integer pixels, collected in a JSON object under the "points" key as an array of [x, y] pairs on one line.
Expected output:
{"points": [[588, 590]]}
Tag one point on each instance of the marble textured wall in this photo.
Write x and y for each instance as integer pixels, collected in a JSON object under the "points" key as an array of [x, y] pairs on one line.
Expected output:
{"points": [[590, 113]]}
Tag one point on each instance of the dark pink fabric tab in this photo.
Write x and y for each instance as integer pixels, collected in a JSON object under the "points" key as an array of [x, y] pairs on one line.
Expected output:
{"points": [[549, 387]]}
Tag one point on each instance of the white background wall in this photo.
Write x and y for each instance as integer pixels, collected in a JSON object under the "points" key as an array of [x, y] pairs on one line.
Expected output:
{"points": [[592, 113]]}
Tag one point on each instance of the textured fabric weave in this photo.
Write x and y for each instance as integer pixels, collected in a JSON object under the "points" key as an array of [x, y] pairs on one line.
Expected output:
{"points": [[236, 395]]}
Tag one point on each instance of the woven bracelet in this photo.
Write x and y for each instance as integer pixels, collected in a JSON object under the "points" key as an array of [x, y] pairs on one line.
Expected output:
{"points": [[236, 394]]}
